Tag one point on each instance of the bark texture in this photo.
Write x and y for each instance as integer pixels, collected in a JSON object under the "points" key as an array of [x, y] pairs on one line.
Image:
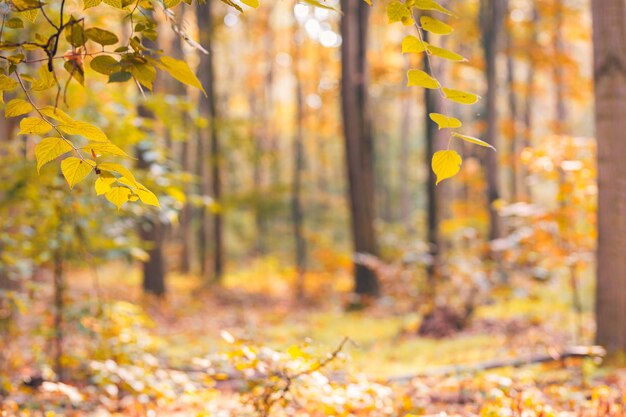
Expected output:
{"points": [[358, 138], [609, 41]]}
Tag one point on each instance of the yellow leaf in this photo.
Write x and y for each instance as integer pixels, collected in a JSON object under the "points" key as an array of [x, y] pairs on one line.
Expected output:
{"points": [[34, 126], [17, 107], [421, 79], [446, 164], [84, 129], [103, 183], [46, 80], [473, 140], [251, 3], [399, 12], [432, 5], [118, 196], [445, 54], [413, 45], [56, 114], [105, 148], [180, 71], [146, 196], [444, 121], [120, 169], [49, 149], [435, 26], [460, 96], [75, 169], [7, 83]]}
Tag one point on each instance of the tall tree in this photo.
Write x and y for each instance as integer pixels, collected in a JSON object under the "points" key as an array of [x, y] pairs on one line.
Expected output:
{"points": [[297, 210], [358, 138], [210, 137], [491, 14], [609, 42]]}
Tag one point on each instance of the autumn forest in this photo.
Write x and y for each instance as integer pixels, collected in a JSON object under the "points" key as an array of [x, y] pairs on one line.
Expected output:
{"points": [[308, 208]]}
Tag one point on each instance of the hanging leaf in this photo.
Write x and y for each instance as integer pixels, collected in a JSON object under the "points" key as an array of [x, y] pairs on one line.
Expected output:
{"points": [[473, 140], [103, 183], [118, 196], [445, 54], [101, 36], [49, 149], [179, 70], [84, 129], [446, 164], [413, 45], [431, 5], [399, 12], [435, 26], [421, 79], [34, 126], [17, 107], [459, 96], [445, 122], [75, 169]]}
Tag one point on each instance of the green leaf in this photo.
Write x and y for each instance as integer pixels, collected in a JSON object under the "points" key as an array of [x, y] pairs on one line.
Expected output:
{"points": [[144, 73], [105, 64], [473, 140], [17, 107], [459, 96], [413, 45], [118, 196], [421, 79], [445, 122], [34, 126], [75, 34], [49, 149], [120, 77], [101, 36], [15, 23], [180, 71], [75, 169], [435, 26], [446, 164]]}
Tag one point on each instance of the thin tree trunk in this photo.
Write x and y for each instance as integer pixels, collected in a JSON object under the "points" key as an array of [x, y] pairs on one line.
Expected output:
{"points": [[298, 166], [529, 105], [514, 144], [491, 17], [358, 139], [208, 108], [431, 105], [609, 41], [59, 301], [559, 104]]}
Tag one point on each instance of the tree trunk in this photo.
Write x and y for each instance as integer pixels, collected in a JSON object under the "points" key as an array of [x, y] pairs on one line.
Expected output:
{"points": [[514, 144], [560, 111], [298, 165], [609, 41], [491, 19], [358, 139], [529, 105], [431, 105], [206, 75]]}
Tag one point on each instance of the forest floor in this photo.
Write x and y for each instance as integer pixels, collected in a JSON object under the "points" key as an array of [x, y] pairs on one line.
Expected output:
{"points": [[230, 351]]}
